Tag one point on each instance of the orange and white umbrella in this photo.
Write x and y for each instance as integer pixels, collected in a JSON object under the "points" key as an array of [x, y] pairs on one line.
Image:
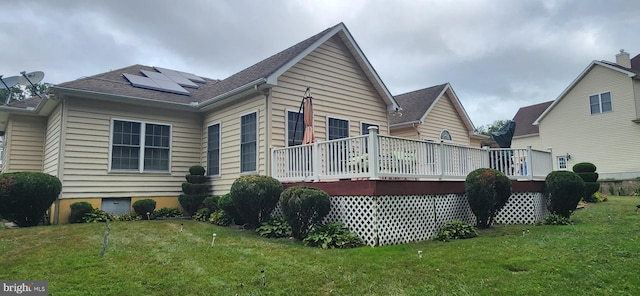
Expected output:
{"points": [[308, 136]]}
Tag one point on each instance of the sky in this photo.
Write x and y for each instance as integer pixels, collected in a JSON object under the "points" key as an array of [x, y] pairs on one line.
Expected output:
{"points": [[498, 55]]}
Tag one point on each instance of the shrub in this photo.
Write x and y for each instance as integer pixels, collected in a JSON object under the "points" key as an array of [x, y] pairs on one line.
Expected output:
{"points": [[587, 171], [191, 203], [25, 196], [600, 197], [274, 228], [97, 215], [221, 218], [168, 212], [78, 210], [332, 235], [127, 217], [304, 207], [202, 215], [456, 230], [144, 206], [565, 189], [197, 179], [196, 170], [553, 219], [195, 189], [255, 197], [488, 191], [226, 204], [584, 167], [211, 203]]}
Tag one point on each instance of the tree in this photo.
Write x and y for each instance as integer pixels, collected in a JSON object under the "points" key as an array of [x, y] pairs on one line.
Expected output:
{"points": [[19, 93], [490, 128]]}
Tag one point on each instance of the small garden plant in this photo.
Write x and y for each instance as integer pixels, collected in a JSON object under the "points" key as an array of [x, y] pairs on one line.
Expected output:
{"points": [[274, 228], [456, 229], [488, 191], [144, 207], [332, 236], [78, 210]]}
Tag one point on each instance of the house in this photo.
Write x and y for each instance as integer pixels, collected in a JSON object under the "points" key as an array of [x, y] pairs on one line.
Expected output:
{"points": [[597, 119], [128, 134], [526, 134], [434, 114]]}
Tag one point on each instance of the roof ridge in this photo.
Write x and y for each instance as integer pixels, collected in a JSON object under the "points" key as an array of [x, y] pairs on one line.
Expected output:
{"points": [[423, 89]]}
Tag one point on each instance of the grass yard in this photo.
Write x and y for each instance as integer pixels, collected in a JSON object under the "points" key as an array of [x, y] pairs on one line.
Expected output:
{"points": [[599, 255]]}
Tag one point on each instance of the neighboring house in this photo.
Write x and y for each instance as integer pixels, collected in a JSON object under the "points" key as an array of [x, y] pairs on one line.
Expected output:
{"points": [[434, 114], [132, 133], [527, 134], [597, 119]]}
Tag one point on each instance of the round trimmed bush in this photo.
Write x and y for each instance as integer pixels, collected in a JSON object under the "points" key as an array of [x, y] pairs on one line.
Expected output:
{"points": [[488, 191], [303, 208], [191, 203], [78, 210], [211, 203], [565, 189], [144, 206], [197, 179], [197, 170], [255, 197], [584, 167], [588, 176], [189, 188], [26, 196]]}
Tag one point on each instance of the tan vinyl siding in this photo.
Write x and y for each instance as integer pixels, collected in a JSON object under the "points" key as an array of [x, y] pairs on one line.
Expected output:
{"points": [[609, 140], [52, 142], [24, 143], [444, 116], [229, 119], [636, 90], [339, 88], [406, 132], [86, 161]]}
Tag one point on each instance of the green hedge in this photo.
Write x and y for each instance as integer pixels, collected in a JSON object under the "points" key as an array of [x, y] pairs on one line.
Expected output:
{"points": [[303, 208], [196, 170], [565, 189], [255, 197], [26, 196], [488, 191], [78, 210], [144, 206], [584, 167]]}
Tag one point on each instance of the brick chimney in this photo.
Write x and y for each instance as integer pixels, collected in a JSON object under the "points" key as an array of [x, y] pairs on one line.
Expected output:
{"points": [[623, 59]]}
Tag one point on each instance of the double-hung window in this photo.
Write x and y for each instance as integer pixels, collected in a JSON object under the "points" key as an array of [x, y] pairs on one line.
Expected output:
{"points": [[338, 128], [295, 128], [213, 150], [248, 142], [140, 147], [600, 103]]}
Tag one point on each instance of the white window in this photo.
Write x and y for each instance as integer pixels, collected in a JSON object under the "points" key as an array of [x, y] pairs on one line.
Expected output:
{"points": [[295, 128], [213, 150], [562, 162], [249, 142], [364, 128], [337, 128], [131, 151], [600, 103], [445, 135]]}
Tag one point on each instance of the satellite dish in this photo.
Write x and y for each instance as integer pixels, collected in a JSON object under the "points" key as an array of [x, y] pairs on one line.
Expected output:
{"points": [[31, 78], [9, 82]]}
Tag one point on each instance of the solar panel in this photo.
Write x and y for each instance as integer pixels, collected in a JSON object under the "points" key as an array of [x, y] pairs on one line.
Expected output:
{"points": [[165, 85], [175, 77], [186, 75]]}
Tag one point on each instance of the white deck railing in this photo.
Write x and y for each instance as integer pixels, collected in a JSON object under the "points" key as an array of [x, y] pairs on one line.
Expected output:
{"points": [[376, 156]]}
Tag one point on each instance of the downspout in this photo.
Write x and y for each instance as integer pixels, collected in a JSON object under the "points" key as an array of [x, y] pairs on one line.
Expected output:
{"points": [[267, 130], [415, 126], [61, 145]]}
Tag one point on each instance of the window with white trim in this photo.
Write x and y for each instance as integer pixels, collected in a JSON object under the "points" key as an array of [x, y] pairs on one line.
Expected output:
{"points": [[249, 142], [562, 162], [130, 151], [213, 150], [445, 135], [364, 128], [338, 128], [600, 103], [295, 128]]}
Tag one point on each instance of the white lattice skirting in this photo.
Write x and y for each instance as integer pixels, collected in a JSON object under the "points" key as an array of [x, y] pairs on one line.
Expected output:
{"points": [[388, 220]]}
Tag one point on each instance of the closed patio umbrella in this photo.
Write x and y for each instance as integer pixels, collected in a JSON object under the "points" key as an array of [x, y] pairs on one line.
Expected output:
{"points": [[308, 136]]}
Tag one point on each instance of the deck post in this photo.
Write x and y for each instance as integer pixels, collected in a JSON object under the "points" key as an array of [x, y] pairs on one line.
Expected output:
{"points": [[315, 156], [441, 159], [528, 163], [374, 152], [273, 163]]}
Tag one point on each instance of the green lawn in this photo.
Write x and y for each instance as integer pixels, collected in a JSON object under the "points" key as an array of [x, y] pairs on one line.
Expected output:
{"points": [[596, 256]]}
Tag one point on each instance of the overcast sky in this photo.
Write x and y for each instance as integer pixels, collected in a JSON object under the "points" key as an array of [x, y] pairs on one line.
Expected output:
{"points": [[498, 55]]}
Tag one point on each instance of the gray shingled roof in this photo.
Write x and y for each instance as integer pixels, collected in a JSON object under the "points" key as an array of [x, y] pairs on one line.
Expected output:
{"points": [[416, 103], [26, 103], [114, 83], [525, 117]]}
